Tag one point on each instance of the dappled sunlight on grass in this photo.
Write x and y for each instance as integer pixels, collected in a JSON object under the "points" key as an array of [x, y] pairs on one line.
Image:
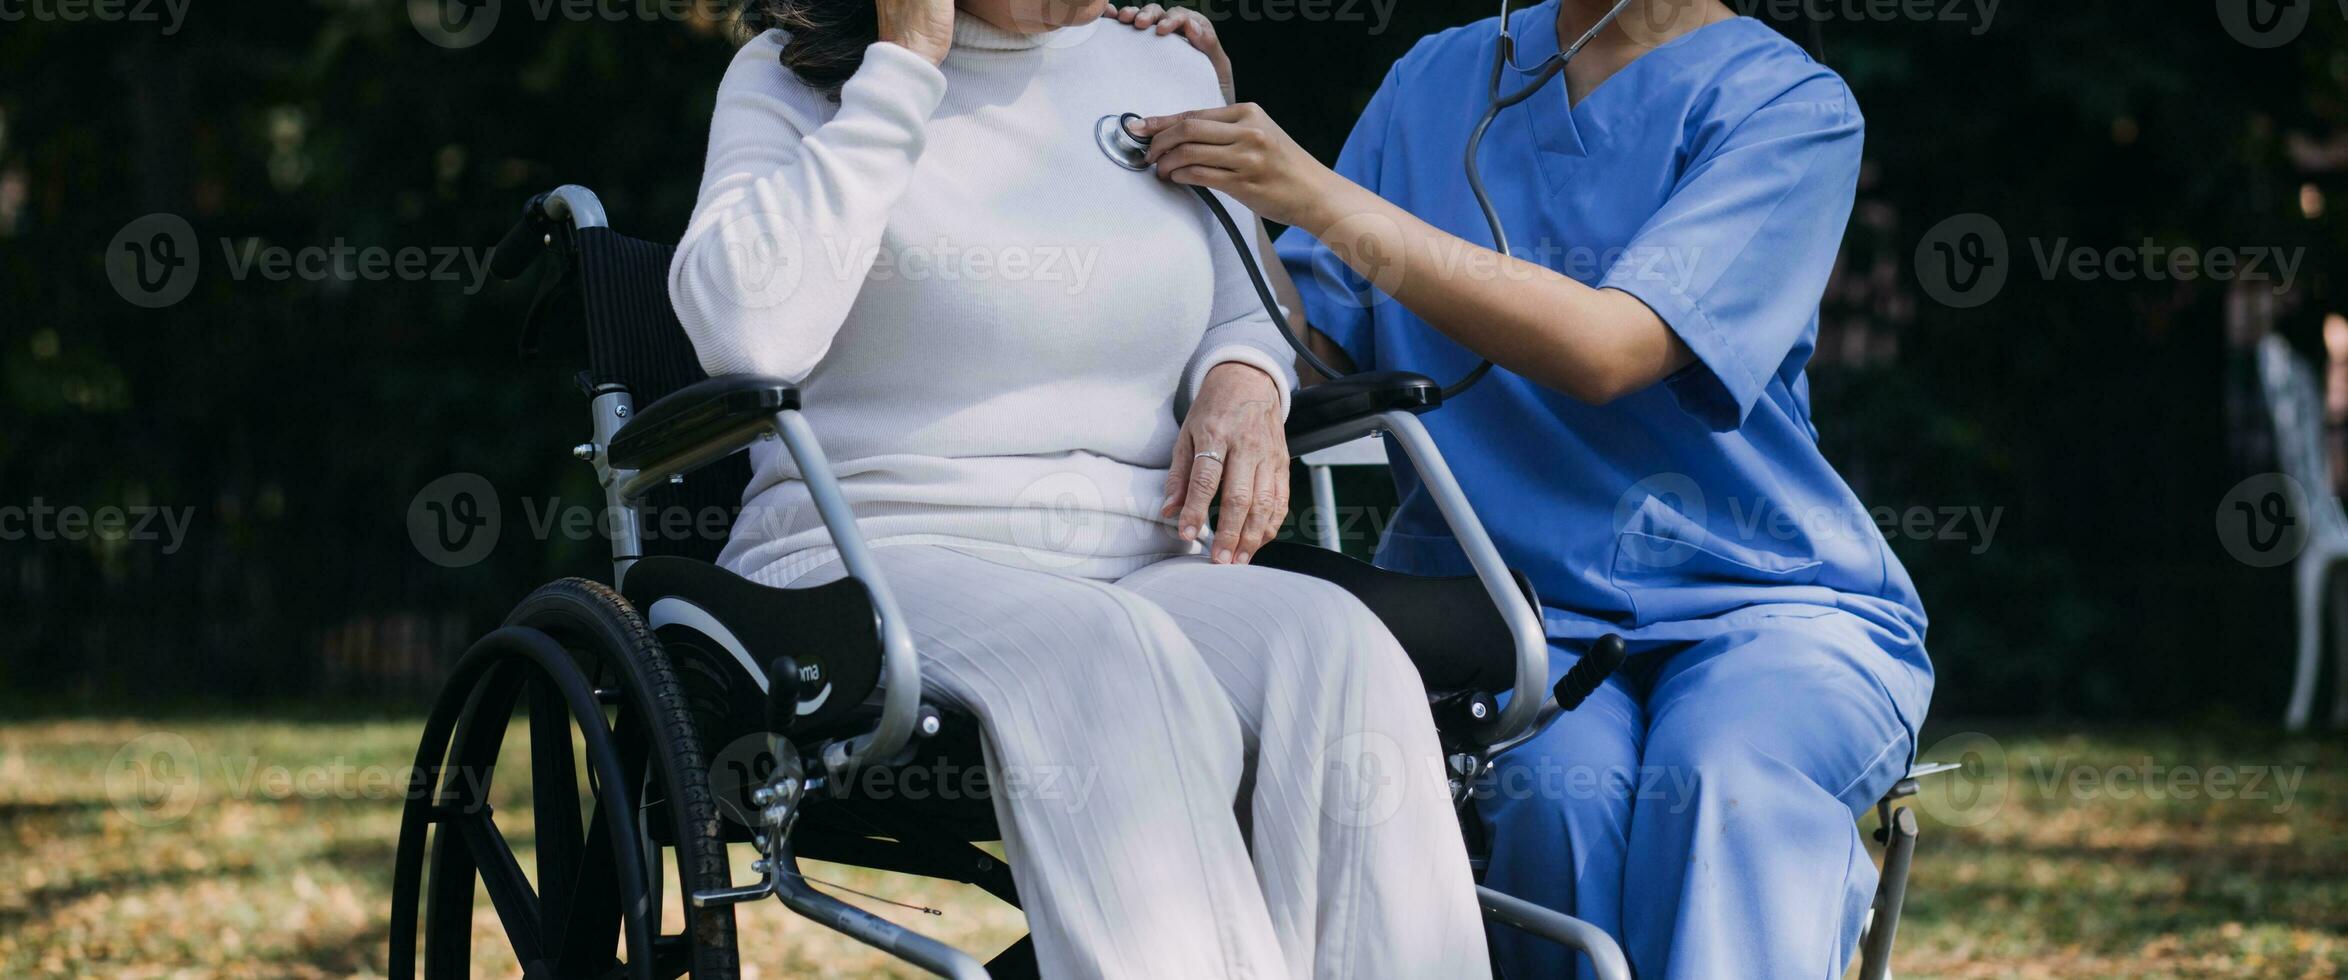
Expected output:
{"points": [[2106, 855], [267, 853]]}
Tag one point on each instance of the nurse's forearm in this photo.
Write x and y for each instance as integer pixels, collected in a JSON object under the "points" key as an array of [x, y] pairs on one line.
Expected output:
{"points": [[1595, 345]]}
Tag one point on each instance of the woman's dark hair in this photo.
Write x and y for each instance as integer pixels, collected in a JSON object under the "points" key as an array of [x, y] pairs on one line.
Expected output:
{"points": [[828, 37]]}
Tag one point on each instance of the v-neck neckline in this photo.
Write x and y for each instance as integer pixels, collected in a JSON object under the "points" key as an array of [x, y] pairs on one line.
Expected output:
{"points": [[1552, 114]]}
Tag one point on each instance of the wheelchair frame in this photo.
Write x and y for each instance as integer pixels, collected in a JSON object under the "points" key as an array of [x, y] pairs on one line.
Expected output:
{"points": [[572, 634]]}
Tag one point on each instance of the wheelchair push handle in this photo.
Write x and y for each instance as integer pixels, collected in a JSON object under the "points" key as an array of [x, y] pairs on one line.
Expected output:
{"points": [[523, 243], [1594, 668], [569, 206]]}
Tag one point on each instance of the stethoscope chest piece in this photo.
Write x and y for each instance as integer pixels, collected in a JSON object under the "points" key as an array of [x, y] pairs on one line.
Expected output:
{"points": [[1119, 144]]}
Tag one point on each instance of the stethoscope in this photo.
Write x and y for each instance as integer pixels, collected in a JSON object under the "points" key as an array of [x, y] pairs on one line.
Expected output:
{"points": [[1116, 139]]}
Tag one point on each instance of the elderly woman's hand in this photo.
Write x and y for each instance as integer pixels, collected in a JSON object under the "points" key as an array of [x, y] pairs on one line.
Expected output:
{"points": [[1233, 440]]}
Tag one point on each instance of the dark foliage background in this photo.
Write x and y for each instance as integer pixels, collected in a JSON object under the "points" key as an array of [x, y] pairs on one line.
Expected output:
{"points": [[298, 420]]}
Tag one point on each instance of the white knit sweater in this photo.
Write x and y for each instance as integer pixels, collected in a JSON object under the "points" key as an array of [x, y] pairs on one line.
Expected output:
{"points": [[988, 320]]}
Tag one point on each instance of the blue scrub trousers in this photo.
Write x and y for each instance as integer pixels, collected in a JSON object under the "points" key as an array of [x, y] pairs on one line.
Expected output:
{"points": [[1702, 806]]}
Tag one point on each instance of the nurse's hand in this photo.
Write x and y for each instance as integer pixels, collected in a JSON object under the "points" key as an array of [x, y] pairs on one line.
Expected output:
{"points": [[1233, 441], [1193, 26], [1240, 151]]}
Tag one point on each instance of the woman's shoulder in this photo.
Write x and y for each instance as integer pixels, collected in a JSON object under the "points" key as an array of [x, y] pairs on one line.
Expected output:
{"points": [[1160, 62], [756, 72]]}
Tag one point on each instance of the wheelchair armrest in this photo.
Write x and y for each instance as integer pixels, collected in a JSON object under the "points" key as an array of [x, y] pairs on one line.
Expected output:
{"points": [[729, 410], [1340, 405], [1528, 640]]}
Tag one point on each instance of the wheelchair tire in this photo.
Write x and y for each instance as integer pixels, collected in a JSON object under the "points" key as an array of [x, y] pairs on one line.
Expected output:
{"points": [[571, 918]]}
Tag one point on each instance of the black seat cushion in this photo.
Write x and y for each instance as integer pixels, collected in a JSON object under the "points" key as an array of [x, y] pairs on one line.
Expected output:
{"points": [[1447, 625], [833, 632]]}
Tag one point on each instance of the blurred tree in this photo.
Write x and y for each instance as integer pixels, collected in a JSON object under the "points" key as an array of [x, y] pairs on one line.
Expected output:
{"points": [[296, 419]]}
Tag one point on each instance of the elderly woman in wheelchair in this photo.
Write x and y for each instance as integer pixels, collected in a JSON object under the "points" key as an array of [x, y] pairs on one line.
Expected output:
{"points": [[1007, 438]]}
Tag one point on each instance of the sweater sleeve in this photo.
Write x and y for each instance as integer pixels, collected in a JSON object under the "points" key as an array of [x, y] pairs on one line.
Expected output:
{"points": [[1241, 331], [792, 205]]}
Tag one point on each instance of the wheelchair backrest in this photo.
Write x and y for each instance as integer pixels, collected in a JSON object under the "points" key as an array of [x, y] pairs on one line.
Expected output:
{"points": [[611, 298]]}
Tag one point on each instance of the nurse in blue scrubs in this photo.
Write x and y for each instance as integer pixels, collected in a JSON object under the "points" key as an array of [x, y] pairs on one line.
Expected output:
{"points": [[1645, 452]]}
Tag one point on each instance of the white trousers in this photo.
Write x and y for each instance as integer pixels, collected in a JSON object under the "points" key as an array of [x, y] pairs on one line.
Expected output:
{"points": [[1124, 720]]}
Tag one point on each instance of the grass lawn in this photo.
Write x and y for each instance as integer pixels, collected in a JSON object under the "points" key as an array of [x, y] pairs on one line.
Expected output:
{"points": [[264, 849]]}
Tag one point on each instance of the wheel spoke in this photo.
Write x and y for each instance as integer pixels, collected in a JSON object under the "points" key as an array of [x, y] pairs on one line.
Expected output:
{"points": [[509, 891], [591, 935], [554, 792]]}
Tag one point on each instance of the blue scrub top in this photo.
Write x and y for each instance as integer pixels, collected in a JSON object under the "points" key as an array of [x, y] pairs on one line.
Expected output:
{"points": [[1712, 178]]}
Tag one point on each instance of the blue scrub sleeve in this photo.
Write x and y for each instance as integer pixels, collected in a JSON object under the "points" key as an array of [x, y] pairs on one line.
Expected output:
{"points": [[1338, 301], [1738, 257]]}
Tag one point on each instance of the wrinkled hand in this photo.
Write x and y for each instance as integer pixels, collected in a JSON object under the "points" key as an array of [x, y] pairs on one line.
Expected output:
{"points": [[925, 27], [1193, 26], [1236, 416], [1240, 151]]}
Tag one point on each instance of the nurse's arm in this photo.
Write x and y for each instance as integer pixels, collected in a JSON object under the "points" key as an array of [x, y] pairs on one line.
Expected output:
{"points": [[1595, 345]]}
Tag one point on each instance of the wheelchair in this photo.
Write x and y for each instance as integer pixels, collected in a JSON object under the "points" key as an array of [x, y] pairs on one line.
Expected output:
{"points": [[659, 680]]}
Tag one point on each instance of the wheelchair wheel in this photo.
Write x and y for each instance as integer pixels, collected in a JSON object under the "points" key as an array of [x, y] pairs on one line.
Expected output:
{"points": [[590, 678]]}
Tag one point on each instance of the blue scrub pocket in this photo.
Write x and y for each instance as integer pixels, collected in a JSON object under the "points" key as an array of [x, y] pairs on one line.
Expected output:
{"points": [[1671, 568]]}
